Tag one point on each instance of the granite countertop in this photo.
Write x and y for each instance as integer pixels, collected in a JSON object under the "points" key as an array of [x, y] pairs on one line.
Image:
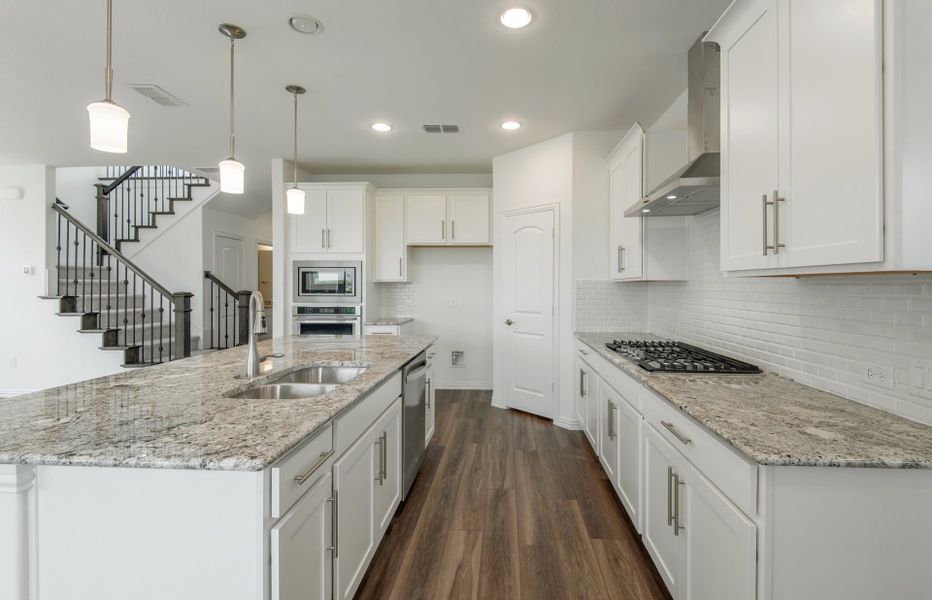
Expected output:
{"points": [[174, 416], [776, 421], [390, 321]]}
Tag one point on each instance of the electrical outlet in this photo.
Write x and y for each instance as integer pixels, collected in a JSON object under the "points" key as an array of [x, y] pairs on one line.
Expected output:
{"points": [[30, 270], [878, 375], [453, 303], [12, 362], [458, 359]]}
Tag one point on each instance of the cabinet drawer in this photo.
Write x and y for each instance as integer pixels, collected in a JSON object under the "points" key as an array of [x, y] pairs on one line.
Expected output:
{"points": [[382, 330], [734, 475], [299, 470], [352, 424], [585, 353], [621, 382]]}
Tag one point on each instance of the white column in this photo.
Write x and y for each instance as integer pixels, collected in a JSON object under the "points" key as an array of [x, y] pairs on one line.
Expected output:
{"points": [[15, 483]]}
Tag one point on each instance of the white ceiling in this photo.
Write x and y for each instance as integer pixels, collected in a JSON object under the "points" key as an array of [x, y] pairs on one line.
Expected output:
{"points": [[581, 65]]}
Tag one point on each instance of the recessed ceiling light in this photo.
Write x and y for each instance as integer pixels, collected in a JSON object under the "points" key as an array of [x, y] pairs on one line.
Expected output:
{"points": [[671, 197], [511, 125], [645, 210], [306, 24], [381, 127], [516, 18]]}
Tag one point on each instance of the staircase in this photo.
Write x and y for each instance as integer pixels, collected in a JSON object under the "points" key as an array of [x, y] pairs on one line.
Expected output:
{"points": [[106, 292]]}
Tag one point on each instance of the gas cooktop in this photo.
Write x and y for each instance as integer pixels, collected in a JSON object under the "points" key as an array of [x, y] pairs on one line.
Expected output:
{"points": [[676, 357]]}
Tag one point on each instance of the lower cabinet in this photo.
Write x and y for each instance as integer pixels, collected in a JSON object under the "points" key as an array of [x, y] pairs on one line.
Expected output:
{"points": [[367, 489], [663, 521], [430, 421], [587, 402], [628, 485], [301, 543], [609, 440]]}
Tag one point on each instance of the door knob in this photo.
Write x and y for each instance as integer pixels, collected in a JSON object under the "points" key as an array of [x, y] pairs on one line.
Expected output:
{"points": [[509, 322]]}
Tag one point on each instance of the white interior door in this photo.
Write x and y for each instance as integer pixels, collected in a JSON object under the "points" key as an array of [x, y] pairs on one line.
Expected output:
{"points": [[528, 312], [228, 267]]}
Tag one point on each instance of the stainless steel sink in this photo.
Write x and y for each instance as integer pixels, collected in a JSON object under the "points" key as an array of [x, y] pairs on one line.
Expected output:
{"points": [[323, 375], [284, 391]]}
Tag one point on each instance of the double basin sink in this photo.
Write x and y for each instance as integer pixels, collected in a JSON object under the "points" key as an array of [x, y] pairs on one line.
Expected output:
{"points": [[308, 382]]}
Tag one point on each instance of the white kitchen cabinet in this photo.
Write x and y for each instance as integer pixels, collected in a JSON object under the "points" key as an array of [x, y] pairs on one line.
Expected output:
{"points": [[628, 484], [354, 483], [609, 438], [587, 398], [720, 544], [333, 221], [300, 546], [644, 249], [394, 329], [579, 399], [663, 501], [802, 143], [430, 417], [448, 218], [390, 247], [387, 431], [469, 218], [426, 218]]}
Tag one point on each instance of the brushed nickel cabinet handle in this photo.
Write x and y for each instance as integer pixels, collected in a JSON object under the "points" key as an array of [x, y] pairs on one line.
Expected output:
{"points": [[400, 265], [378, 476], [453, 228], [583, 352], [582, 383], [764, 205], [328, 237], [621, 259], [323, 238], [680, 436], [384, 455], [776, 223], [613, 408], [428, 393], [669, 496], [443, 229], [300, 479], [334, 525], [676, 504]]}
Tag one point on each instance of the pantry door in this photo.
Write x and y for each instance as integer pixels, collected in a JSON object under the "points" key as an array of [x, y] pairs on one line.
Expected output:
{"points": [[528, 320]]}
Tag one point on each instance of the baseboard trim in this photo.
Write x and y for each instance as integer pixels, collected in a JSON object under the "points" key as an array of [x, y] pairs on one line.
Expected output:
{"points": [[568, 423], [497, 402], [466, 385], [11, 393]]}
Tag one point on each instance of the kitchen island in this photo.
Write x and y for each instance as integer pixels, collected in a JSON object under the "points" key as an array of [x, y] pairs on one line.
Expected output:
{"points": [[155, 483]]}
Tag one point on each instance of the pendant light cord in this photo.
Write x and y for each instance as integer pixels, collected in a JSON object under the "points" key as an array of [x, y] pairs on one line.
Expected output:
{"points": [[108, 75], [232, 134], [295, 161]]}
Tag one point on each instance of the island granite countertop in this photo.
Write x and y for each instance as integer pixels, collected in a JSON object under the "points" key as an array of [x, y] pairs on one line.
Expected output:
{"points": [[174, 416], [777, 421]]}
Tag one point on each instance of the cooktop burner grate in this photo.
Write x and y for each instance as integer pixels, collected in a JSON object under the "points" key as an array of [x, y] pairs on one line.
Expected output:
{"points": [[676, 357]]}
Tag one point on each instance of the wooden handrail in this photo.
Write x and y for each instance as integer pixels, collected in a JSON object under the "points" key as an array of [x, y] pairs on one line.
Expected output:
{"points": [[220, 284], [111, 250], [106, 189]]}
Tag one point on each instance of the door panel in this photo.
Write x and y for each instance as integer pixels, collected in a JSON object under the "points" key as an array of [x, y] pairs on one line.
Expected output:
{"points": [[469, 219], [308, 230], [430, 419], [388, 488], [629, 461], [426, 218], [750, 158], [721, 545], [665, 548], [354, 484], [835, 142], [528, 265], [626, 188], [345, 217], [608, 444], [390, 238], [301, 567]]}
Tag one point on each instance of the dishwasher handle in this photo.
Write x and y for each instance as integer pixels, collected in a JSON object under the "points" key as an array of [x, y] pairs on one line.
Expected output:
{"points": [[418, 372]]}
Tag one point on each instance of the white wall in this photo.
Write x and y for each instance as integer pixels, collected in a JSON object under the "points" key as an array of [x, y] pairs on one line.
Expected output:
{"points": [[47, 348], [412, 180], [440, 277], [75, 187]]}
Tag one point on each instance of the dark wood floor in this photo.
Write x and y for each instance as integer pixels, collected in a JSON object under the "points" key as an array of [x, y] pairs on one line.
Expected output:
{"points": [[509, 506]]}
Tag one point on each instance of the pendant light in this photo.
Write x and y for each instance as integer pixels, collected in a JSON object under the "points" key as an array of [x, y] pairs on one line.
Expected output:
{"points": [[295, 196], [109, 121], [232, 172]]}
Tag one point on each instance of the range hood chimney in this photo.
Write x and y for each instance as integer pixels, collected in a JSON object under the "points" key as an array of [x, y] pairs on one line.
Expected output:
{"points": [[695, 187]]}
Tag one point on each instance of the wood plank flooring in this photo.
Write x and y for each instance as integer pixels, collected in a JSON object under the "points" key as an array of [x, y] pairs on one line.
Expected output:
{"points": [[507, 505]]}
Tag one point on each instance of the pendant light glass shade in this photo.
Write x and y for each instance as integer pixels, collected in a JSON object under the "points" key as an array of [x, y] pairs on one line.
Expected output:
{"points": [[232, 176], [295, 200], [109, 126], [109, 121]]}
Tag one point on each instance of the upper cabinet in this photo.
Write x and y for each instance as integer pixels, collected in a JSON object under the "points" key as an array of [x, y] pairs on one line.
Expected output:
{"points": [[333, 221], [390, 249], [802, 133], [454, 218], [643, 249]]}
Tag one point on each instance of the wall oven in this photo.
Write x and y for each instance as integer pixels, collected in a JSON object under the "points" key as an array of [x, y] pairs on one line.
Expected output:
{"points": [[327, 282], [327, 321]]}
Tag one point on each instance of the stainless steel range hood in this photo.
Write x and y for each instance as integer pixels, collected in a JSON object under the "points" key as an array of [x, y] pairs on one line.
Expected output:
{"points": [[695, 187]]}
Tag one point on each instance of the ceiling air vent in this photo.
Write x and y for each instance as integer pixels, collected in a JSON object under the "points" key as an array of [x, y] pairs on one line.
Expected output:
{"points": [[442, 128], [157, 94]]}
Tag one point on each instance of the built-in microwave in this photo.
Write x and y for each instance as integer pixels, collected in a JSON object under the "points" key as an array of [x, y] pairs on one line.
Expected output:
{"points": [[327, 282]]}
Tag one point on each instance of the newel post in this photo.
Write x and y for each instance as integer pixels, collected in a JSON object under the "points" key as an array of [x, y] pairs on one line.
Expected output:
{"points": [[182, 333], [242, 317]]}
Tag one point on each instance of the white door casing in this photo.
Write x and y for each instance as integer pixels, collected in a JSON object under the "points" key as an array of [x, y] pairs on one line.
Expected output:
{"points": [[529, 338]]}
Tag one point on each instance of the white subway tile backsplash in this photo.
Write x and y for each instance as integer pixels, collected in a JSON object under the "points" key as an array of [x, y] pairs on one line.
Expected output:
{"points": [[821, 331], [396, 299]]}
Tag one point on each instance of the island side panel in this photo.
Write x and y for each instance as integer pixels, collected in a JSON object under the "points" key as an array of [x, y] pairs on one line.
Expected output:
{"points": [[115, 533], [851, 533], [16, 484]]}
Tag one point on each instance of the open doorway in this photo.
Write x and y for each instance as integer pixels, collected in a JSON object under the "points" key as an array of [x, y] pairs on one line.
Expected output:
{"points": [[264, 279]]}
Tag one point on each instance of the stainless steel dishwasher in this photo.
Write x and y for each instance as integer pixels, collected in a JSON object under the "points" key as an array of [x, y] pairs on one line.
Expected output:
{"points": [[414, 376]]}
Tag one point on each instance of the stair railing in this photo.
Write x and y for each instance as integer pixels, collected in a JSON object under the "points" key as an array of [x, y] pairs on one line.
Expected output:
{"points": [[228, 313], [117, 297], [131, 198]]}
